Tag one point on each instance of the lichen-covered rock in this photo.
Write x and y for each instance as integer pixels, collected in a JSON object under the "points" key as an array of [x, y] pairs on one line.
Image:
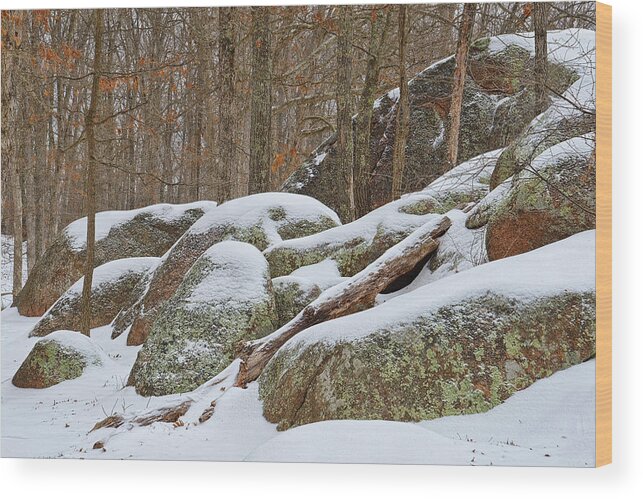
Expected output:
{"points": [[292, 294], [144, 232], [115, 285], [260, 220], [571, 115], [294, 291], [225, 298], [355, 245], [550, 200], [62, 356], [497, 105], [482, 211], [459, 345], [466, 183]]}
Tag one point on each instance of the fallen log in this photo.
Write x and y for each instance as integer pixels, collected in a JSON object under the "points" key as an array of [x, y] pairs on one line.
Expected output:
{"points": [[170, 414], [202, 401], [354, 294]]}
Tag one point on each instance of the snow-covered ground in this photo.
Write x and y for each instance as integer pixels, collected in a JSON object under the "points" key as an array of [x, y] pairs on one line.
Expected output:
{"points": [[550, 423], [6, 282]]}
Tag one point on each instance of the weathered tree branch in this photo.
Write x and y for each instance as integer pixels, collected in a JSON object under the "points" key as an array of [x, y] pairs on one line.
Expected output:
{"points": [[345, 298]]}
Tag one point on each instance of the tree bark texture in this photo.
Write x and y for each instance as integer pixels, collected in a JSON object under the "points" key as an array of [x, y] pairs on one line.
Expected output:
{"points": [[90, 187], [261, 105], [459, 76], [402, 128]]}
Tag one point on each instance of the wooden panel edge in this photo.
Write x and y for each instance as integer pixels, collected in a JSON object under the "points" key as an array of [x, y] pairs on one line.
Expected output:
{"points": [[603, 234]]}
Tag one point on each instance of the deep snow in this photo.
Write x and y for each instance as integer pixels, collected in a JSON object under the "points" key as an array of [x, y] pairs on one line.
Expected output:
{"points": [[550, 423]]}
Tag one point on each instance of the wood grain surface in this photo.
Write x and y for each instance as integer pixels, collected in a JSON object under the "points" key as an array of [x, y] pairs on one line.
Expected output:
{"points": [[604, 234]]}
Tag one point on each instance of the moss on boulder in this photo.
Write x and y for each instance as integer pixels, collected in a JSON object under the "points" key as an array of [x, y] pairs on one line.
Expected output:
{"points": [[552, 199], [292, 294], [459, 360], [498, 103], [116, 285], [571, 116], [149, 231], [225, 298], [260, 220], [355, 245], [482, 211], [456, 346], [62, 356]]}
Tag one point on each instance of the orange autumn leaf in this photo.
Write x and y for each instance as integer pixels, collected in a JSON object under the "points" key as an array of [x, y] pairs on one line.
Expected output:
{"points": [[278, 162]]}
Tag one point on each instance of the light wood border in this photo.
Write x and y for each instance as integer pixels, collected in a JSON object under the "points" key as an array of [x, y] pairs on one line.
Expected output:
{"points": [[603, 234]]}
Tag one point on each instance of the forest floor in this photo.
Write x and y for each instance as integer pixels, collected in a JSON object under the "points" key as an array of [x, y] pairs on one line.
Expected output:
{"points": [[551, 423]]}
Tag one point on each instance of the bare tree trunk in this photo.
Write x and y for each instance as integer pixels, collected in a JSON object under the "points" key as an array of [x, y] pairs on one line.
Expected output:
{"points": [[31, 148], [344, 112], [40, 183], [402, 128], [362, 156], [354, 294], [541, 101], [11, 43], [30, 204], [90, 200], [459, 75], [227, 123], [261, 85], [16, 194]]}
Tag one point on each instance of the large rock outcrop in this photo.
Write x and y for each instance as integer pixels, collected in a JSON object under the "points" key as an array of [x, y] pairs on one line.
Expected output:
{"points": [[498, 103], [550, 200], [459, 345], [147, 231], [62, 356], [225, 298], [355, 245], [260, 220], [115, 285], [571, 115]]}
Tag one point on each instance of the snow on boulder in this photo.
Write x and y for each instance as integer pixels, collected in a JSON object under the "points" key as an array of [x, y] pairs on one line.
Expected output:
{"points": [[225, 298], [260, 220], [550, 200], [459, 345], [324, 274], [294, 291], [482, 211], [570, 115], [550, 423], [355, 245], [115, 286], [498, 103], [466, 183], [148, 231], [62, 356]]}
